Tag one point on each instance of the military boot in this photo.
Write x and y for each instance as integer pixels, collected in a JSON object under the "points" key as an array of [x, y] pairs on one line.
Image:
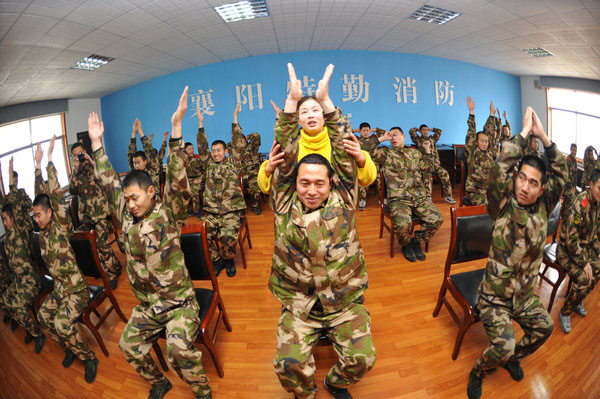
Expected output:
{"points": [[229, 267], [409, 252], [474, 387], [69, 358], [580, 310], [158, 391], [417, 250], [39, 343], [13, 325], [514, 369], [565, 322], [91, 368], [338, 393], [28, 339], [207, 396]]}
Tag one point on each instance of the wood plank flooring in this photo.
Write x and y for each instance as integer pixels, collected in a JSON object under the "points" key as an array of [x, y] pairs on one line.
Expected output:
{"points": [[413, 348]]}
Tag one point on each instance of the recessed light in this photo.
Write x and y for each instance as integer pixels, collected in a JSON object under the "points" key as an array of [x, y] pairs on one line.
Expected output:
{"points": [[432, 14], [248, 9], [92, 62], [537, 52]]}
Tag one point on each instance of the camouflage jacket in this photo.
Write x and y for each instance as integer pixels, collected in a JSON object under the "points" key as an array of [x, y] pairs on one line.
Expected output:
{"points": [[250, 157], [530, 151], [479, 162], [504, 138], [580, 234], [222, 190], [588, 166], [402, 168], [195, 168], [317, 254], [519, 232], [572, 164], [155, 262], [16, 244], [419, 140], [162, 150], [154, 165], [19, 196], [54, 239], [93, 203]]}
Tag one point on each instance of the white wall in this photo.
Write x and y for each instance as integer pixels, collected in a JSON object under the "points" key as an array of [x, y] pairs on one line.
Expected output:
{"points": [[536, 98], [76, 117]]}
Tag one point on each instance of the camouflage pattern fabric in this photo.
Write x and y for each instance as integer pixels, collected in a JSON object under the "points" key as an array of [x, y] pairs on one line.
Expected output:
{"points": [[402, 213], [195, 170], [223, 228], [362, 191], [250, 159], [318, 259], [438, 170], [94, 212], [588, 165], [504, 138], [479, 162], [348, 330], [518, 237], [181, 326], [162, 151], [157, 274], [571, 187], [154, 166], [579, 245], [21, 197], [59, 316]]}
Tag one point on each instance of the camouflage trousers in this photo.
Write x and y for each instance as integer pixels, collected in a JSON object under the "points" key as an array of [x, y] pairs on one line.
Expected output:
{"points": [[533, 319], [473, 198], [180, 325], [195, 188], [350, 333], [403, 211], [581, 287], [444, 177], [17, 300], [108, 259], [251, 186], [225, 229], [59, 316]]}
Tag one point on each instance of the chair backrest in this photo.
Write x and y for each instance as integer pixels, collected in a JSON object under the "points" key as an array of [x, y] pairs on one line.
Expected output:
{"points": [[194, 245], [459, 153], [84, 247], [471, 235], [553, 221], [36, 253], [73, 210], [382, 188]]}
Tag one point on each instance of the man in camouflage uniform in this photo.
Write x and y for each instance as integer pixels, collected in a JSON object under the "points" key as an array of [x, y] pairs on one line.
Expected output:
{"points": [[94, 210], [589, 164], [195, 173], [519, 207], [364, 135], [65, 304], [21, 197], [533, 148], [223, 199], [438, 170], [571, 187], [148, 159], [19, 296], [155, 264], [578, 250], [506, 132], [480, 157], [250, 159], [403, 170], [318, 271]]}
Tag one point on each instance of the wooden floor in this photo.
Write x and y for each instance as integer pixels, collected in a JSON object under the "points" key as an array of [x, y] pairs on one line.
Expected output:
{"points": [[413, 348]]}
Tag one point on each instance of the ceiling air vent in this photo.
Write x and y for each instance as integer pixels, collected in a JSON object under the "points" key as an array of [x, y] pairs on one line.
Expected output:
{"points": [[435, 15]]}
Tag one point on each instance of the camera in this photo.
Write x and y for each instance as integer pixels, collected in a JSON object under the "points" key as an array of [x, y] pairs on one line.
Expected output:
{"points": [[81, 157]]}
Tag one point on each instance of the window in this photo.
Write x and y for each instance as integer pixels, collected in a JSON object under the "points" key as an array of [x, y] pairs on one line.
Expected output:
{"points": [[574, 117], [19, 140]]}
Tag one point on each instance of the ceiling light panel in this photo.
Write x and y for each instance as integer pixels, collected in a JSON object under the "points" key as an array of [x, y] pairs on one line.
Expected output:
{"points": [[248, 9], [92, 62], [435, 15], [537, 52]]}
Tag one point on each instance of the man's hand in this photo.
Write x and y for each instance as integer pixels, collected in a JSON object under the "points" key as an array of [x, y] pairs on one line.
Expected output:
{"points": [[538, 130], [471, 106], [276, 109], [322, 93], [11, 177], [588, 272], [39, 153], [200, 116], [51, 148], [95, 130], [295, 92], [238, 108], [275, 158], [76, 163], [492, 109], [387, 136], [134, 129], [527, 123], [427, 146], [352, 147], [89, 159], [165, 135], [505, 117], [140, 130], [178, 114]]}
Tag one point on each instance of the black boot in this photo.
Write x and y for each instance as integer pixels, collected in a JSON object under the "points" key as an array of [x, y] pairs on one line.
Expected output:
{"points": [[69, 358], [28, 339], [91, 368], [338, 393], [409, 252], [514, 369], [256, 210], [158, 391], [218, 265], [229, 267], [13, 325], [113, 283], [417, 249], [39, 343], [6, 318], [474, 387]]}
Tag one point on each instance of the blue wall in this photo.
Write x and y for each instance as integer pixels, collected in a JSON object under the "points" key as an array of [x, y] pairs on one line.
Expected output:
{"points": [[154, 101]]}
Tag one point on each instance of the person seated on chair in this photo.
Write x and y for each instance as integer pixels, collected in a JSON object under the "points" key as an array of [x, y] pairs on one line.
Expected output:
{"points": [[365, 131], [94, 210], [22, 198], [403, 170], [533, 148], [318, 270], [155, 263], [222, 198], [195, 173], [438, 170], [65, 304], [578, 250], [250, 162], [519, 203], [589, 164], [144, 160], [506, 132], [571, 187], [19, 296], [480, 157]]}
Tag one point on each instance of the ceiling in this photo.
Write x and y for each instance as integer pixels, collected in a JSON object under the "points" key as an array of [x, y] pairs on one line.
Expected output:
{"points": [[41, 39]]}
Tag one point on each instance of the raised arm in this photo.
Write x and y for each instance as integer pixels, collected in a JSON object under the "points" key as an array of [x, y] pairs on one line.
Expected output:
{"points": [[201, 141], [237, 139], [378, 154], [282, 185], [55, 192], [344, 163], [413, 134], [471, 138], [436, 134], [163, 148], [131, 150], [40, 185]]}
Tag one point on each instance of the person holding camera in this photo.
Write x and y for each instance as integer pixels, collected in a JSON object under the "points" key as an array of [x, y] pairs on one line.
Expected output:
{"points": [[94, 211]]}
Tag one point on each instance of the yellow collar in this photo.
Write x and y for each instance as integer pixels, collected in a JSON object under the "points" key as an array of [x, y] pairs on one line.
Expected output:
{"points": [[314, 142]]}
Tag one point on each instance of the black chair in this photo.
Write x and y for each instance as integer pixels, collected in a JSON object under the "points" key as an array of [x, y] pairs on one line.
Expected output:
{"points": [[460, 155], [471, 237], [84, 247], [244, 230], [385, 214], [47, 283], [194, 245], [73, 210], [549, 260]]}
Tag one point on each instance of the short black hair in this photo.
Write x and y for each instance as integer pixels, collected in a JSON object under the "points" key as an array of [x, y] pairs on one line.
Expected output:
{"points": [[503, 126], [140, 178], [313, 159], [140, 154], [595, 176], [217, 142], [187, 143], [364, 124], [8, 209], [573, 145], [15, 174], [423, 125], [42, 200], [480, 132], [397, 128], [76, 145], [536, 162], [305, 99]]}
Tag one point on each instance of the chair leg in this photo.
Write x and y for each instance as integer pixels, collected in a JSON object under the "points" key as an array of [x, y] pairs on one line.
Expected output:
{"points": [[159, 355], [248, 236], [441, 295], [85, 317], [116, 306], [213, 354], [381, 225], [462, 330], [392, 242], [225, 318], [242, 253], [427, 246]]}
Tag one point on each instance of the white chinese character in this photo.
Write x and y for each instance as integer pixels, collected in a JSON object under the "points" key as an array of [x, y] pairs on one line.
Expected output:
{"points": [[444, 93], [250, 95], [355, 88], [308, 85], [203, 101], [404, 89]]}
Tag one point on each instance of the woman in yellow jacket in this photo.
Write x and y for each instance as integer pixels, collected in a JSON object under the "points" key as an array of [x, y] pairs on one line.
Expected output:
{"points": [[313, 134]]}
